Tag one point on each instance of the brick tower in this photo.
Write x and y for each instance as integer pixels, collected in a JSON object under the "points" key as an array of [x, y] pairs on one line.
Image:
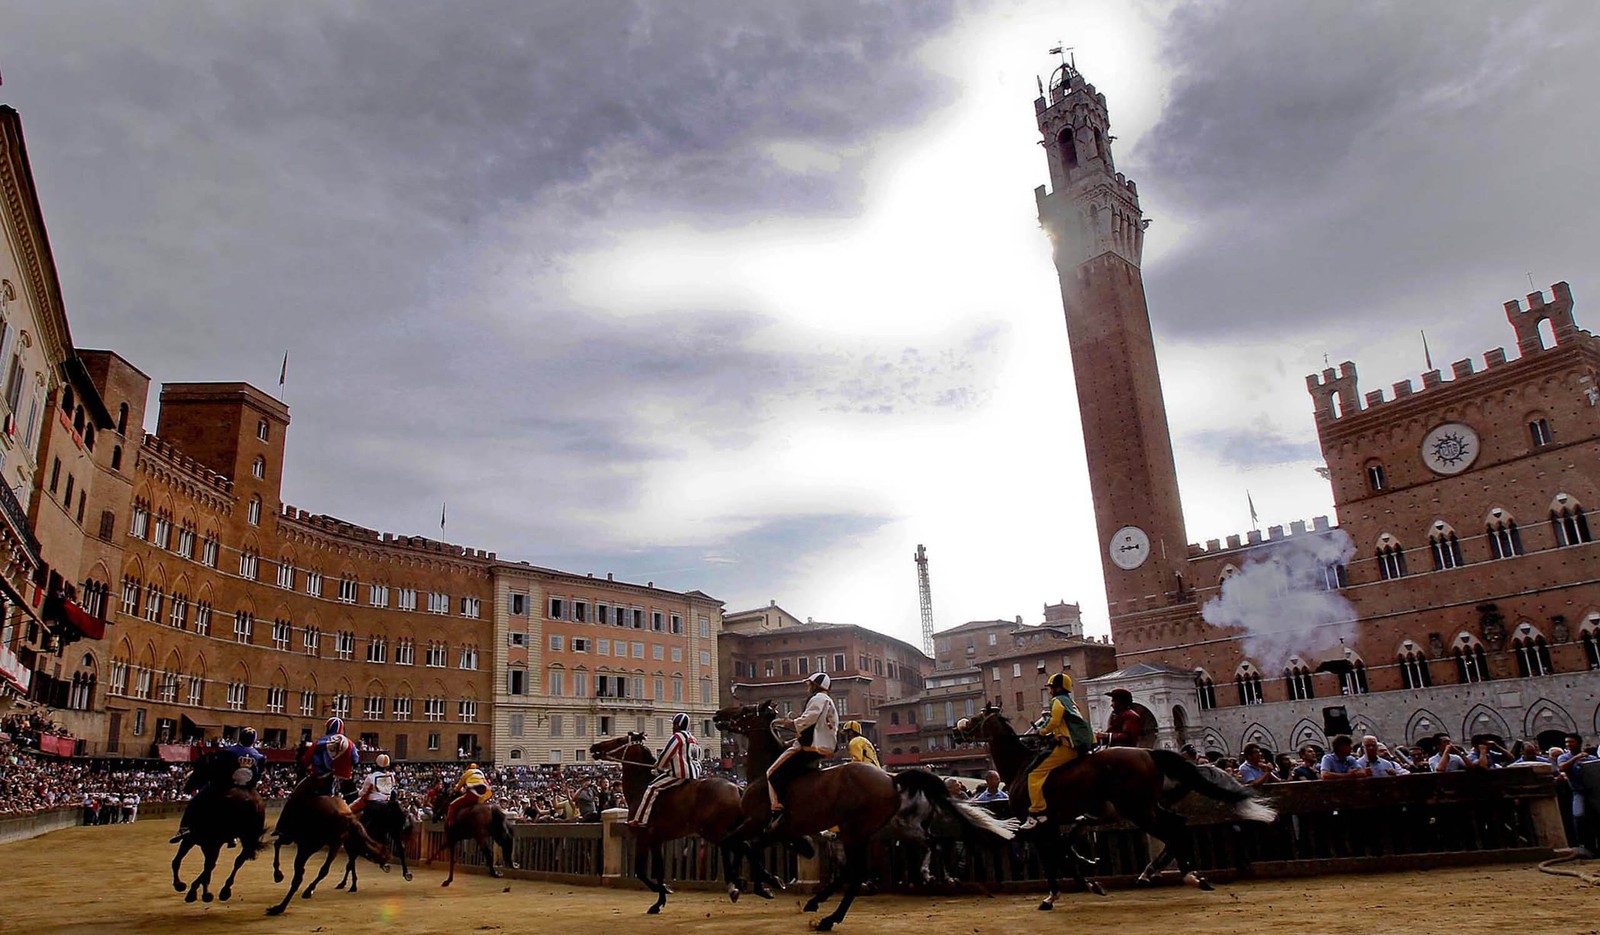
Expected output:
{"points": [[1097, 230]]}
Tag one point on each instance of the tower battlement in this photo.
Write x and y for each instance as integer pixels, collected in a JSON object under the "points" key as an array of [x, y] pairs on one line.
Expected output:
{"points": [[1336, 394]]}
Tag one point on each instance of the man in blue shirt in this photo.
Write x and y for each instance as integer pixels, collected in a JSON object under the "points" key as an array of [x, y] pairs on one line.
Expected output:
{"points": [[1339, 764], [1447, 759], [1374, 762], [1255, 770], [992, 791]]}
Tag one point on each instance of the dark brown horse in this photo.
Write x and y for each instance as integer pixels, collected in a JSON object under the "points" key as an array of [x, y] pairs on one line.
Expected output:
{"points": [[1132, 783], [482, 822], [386, 822], [315, 822], [234, 813], [708, 807], [858, 798]]}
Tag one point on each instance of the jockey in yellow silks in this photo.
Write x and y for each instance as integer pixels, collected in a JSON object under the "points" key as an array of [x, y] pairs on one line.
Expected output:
{"points": [[1071, 735], [474, 789]]}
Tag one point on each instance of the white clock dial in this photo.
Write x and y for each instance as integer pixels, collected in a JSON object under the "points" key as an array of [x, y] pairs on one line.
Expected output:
{"points": [[1450, 449], [1129, 548]]}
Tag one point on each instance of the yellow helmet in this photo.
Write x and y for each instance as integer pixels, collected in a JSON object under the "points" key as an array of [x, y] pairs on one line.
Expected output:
{"points": [[472, 766], [1060, 682], [383, 761], [853, 726]]}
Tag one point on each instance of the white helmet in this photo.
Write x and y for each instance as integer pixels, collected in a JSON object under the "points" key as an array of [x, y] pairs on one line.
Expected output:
{"points": [[820, 680]]}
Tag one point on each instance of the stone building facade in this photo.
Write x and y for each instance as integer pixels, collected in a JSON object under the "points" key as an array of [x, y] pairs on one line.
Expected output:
{"points": [[762, 661], [1002, 662], [1459, 588]]}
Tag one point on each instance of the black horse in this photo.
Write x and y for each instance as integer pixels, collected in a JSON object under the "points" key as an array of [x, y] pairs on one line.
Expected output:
{"points": [[390, 824], [220, 812]]}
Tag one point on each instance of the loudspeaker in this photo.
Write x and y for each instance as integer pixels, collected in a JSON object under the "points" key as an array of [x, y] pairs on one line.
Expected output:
{"points": [[1335, 721]]}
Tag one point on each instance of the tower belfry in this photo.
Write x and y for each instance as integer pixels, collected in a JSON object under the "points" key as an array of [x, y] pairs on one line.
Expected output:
{"points": [[1091, 213]]}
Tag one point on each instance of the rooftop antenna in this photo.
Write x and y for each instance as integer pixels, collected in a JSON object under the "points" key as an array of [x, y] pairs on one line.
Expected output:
{"points": [[1530, 282], [925, 592]]}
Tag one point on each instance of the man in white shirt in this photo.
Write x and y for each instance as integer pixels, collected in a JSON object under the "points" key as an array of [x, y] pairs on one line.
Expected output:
{"points": [[815, 739], [1373, 760]]}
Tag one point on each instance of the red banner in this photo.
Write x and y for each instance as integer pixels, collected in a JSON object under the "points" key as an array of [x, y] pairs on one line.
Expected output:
{"points": [[60, 746], [91, 627], [178, 752]]}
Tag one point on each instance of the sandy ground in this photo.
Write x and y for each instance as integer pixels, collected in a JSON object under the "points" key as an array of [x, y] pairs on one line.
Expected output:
{"points": [[115, 879]]}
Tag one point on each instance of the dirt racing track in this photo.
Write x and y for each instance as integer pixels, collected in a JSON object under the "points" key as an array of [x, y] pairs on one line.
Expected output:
{"points": [[116, 879]]}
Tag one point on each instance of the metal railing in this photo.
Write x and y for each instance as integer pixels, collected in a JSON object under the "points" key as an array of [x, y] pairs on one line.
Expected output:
{"points": [[17, 517]]}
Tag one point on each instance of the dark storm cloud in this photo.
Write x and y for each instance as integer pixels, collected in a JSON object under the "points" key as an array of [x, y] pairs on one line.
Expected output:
{"points": [[1341, 160], [224, 181]]}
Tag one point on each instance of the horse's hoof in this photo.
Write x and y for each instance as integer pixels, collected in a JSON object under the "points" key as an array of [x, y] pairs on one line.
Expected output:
{"points": [[1096, 889], [1203, 884], [407, 876], [653, 910], [733, 894], [274, 910], [445, 883], [178, 887], [340, 886], [822, 925], [810, 906], [191, 896], [764, 893], [1143, 882], [277, 876], [225, 895], [206, 896], [1046, 906], [384, 867]]}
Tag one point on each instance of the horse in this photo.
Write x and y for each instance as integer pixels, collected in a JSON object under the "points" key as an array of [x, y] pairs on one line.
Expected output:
{"points": [[1136, 784], [236, 813], [708, 807], [316, 822], [389, 823], [482, 822], [857, 797]]}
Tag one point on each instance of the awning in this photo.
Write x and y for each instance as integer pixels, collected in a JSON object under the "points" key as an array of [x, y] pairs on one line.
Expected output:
{"points": [[203, 721], [90, 626], [178, 752]]}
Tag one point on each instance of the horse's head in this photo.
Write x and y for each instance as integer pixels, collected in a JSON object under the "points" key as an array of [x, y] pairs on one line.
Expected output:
{"points": [[630, 746], [986, 725], [746, 719]]}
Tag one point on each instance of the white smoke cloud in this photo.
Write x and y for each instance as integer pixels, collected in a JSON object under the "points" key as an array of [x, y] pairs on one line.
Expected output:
{"points": [[1281, 599]]}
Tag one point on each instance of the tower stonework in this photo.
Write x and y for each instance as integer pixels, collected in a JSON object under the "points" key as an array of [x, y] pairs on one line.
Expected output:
{"points": [[1096, 227]]}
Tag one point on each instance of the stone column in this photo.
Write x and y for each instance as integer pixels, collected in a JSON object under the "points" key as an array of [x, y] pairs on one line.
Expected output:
{"points": [[611, 832]]}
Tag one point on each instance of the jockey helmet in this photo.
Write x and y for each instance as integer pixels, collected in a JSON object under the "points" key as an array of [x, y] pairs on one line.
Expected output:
{"points": [[1120, 694], [472, 766], [1060, 682], [247, 737], [853, 727], [819, 681], [680, 721], [382, 761], [335, 725]]}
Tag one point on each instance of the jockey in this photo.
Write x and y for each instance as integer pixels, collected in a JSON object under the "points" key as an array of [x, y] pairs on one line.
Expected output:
{"points": [[1071, 737], [679, 763], [814, 740], [247, 763], [334, 758], [861, 749], [474, 788], [1126, 724], [378, 786]]}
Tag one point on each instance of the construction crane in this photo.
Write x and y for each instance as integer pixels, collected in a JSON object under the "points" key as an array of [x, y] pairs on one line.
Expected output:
{"points": [[926, 593]]}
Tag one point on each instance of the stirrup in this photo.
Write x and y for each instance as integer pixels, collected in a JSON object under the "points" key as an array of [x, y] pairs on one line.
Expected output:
{"points": [[1032, 822]]}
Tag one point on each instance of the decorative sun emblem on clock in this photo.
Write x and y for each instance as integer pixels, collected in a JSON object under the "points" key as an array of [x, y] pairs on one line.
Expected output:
{"points": [[1450, 449]]}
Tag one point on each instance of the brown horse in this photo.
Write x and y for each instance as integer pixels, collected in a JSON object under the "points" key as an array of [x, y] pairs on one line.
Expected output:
{"points": [[708, 807], [313, 823], [389, 822], [482, 822], [1132, 783], [236, 813], [858, 798]]}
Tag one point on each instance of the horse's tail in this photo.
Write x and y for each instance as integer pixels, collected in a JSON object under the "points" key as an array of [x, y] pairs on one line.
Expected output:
{"points": [[1214, 784], [920, 782]]}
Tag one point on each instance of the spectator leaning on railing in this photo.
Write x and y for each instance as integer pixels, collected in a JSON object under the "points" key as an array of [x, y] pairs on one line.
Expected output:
{"points": [[1374, 762], [1338, 763]]}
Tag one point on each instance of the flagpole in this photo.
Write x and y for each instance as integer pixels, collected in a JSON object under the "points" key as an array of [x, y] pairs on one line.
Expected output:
{"points": [[283, 374]]}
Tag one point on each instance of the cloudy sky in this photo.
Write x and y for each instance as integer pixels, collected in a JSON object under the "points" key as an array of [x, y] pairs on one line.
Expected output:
{"points": [[751, 297]]}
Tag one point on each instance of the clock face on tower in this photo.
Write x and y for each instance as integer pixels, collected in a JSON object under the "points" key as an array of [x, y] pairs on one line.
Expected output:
{"points": [[1450, 449], [1129, 547]]}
